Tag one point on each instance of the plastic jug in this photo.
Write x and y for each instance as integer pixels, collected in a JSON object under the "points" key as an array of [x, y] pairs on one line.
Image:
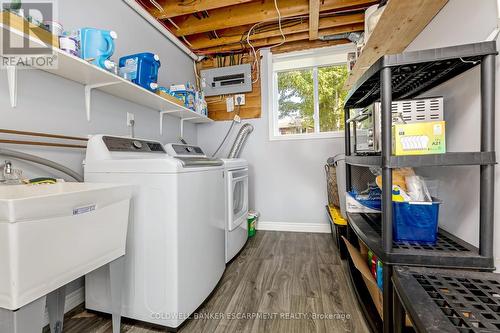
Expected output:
{"points": [[97, 46], [142, 69]]}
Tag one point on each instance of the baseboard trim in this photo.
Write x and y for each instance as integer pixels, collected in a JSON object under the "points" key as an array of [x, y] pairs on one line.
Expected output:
{"points": [[73, 299], [294, 227]]}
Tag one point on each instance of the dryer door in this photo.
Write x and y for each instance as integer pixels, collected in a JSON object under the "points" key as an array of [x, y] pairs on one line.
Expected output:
{"points": [[237, 197]]}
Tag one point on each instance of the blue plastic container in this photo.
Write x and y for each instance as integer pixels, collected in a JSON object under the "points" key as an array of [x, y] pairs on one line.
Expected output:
{"points": [[98, 45], [144, 68], [415, 222]]}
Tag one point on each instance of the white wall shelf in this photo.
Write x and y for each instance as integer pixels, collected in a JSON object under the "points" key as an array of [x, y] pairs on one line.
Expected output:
{"points": [[93, 77]]}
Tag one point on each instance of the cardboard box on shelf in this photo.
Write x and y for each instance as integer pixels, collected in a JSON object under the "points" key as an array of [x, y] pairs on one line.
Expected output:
{"points": [[419, 138], [359, 258], [170, 98], [362, 266]]}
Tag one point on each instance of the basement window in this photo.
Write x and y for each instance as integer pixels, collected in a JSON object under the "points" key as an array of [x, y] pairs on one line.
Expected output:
{"points": [[308, 94]]}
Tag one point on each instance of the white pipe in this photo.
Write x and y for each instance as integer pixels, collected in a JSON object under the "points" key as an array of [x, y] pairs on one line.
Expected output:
{"points": [[39, 160], [148, 17]]}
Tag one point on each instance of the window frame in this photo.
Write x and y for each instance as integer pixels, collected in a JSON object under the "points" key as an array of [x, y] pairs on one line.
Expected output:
{"points": [[273, 106]]}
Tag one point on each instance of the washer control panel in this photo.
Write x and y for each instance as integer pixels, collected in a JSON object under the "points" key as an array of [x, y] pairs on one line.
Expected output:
{"points": [[132, 145]]}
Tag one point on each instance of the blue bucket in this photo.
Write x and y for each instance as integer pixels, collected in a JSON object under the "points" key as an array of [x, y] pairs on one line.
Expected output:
{"points": [[415, 222]]}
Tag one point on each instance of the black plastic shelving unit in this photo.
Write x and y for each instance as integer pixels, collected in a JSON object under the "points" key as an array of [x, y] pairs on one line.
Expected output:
{"points": [[449, 251], [405, 76], [448, 159], [442, 301]]}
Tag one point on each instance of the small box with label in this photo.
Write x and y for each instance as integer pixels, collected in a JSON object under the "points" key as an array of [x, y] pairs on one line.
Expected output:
{"points": [[419, 138]]}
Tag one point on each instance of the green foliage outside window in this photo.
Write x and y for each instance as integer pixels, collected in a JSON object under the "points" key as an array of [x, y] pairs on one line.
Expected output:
{"points": [[296, 99]]}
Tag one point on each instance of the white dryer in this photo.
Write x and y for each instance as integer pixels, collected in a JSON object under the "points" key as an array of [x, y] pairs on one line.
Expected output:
{"points": [[175, 243], [236, 197]]}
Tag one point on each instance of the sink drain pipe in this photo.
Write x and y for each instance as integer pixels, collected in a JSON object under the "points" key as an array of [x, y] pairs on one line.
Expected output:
{"points": [[42, 161]]}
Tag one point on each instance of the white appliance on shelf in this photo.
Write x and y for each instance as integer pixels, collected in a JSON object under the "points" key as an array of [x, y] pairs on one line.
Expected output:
{"points": [[236, 196], [175, 244]]}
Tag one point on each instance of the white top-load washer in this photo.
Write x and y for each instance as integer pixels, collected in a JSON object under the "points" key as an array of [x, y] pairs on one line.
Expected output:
{"points": [[175, 243], [236, 197]]}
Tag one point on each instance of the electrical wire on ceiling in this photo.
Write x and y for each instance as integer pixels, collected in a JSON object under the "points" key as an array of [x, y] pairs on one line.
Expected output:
{"points": [[160, 8], [157, 5], [256, 60], [279, 25]]}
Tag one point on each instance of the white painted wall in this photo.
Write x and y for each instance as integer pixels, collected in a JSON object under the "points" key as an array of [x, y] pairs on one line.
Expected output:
{"points": [[51, 104], [462, 22], [287, 178]]}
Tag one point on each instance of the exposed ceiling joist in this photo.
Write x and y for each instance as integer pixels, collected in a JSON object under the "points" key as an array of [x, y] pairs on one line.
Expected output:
{"points": [[236, 35], [172, 8], [253, 12], [307, 44], [301, 36], [313, 19]]}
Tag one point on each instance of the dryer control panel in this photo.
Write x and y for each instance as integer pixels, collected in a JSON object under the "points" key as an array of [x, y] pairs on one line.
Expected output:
{"points": [[116, 144], [191, 156], [174, 149]]}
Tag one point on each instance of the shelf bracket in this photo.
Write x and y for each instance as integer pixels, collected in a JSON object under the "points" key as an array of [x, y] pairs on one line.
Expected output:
{"points": [[162, 113], [88, 94], [182, 125], [12, 80]]}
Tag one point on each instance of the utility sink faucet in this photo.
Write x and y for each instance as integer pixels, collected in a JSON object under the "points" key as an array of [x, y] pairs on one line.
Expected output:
{"points": [[11, 176]]}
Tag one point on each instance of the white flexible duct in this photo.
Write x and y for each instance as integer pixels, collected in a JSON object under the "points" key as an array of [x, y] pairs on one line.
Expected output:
{"points": [[240, 140], [42, 161]]}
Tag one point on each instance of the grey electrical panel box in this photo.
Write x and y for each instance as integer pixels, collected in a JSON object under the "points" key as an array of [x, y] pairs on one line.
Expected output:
{"points": [[226, 80]]}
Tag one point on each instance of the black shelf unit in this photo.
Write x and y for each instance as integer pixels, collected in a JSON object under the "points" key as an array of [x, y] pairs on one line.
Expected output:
{"points": [[448, 159], [449, 251], [405, 76], [440, 301]]}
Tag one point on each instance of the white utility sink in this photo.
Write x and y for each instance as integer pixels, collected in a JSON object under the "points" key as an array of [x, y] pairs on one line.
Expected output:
{"points": [[53, 234]]}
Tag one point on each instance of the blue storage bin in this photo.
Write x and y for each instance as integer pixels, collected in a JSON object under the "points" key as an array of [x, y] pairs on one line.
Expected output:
{"points": [[415, 221]]}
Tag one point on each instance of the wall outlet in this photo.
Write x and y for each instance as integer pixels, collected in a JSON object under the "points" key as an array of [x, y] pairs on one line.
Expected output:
{"points": [[130, 119], [240, 98], [230, 104]]}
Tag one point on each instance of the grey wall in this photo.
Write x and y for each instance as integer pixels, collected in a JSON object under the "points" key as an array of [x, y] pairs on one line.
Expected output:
{"points": [[461, 22], [287, 179], [48, 103]]}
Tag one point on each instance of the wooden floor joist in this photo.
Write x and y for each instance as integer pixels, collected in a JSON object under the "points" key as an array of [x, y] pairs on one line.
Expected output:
{"points": [[306, 45], [313, 19], [177, 8], [289, 38], [236, 35], [253, 12]]}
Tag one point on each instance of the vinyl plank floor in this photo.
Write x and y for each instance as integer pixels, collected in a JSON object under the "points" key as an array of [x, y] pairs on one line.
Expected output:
{"points": [[280, 282]]}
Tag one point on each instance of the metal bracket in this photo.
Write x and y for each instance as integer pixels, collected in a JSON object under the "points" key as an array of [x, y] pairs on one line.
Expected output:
{"points": [[12, 80], [162, 113], [88, 94], [182, 125]]}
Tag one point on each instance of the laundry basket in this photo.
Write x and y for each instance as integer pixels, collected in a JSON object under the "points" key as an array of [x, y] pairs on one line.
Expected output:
{"points": [[335, 182]]}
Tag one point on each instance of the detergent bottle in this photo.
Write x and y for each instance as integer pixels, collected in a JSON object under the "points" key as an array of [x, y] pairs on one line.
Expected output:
{"points": [[97, 46], [142, 69]]}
